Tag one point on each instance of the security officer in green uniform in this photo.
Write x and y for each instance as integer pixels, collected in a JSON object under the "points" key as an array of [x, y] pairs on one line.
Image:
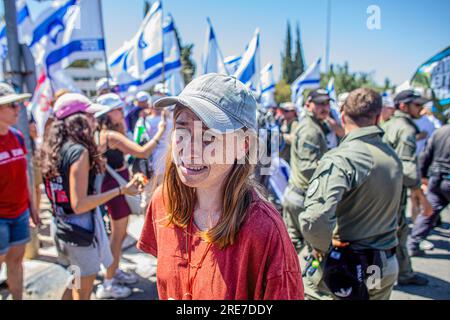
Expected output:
{"points": [[309, 144], [287, 129], [352, 204], [400, 133]]}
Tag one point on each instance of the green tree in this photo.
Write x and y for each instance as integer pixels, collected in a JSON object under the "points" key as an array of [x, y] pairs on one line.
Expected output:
{"points": [[282, 92], [346, 81], [387, 85], [188, 65], [299, 64], [85, 64], [286, 58]]}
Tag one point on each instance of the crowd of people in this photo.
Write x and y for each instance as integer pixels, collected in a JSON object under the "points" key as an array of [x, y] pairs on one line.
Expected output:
{"points": [[185, 163]]}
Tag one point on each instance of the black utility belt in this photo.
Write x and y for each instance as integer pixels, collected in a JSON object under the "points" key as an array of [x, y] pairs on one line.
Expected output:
{"points": [[370, 252], [346, 270]]}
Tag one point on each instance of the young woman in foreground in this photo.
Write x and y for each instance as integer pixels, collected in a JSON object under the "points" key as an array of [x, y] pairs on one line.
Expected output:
{"points": [[213, 235]]}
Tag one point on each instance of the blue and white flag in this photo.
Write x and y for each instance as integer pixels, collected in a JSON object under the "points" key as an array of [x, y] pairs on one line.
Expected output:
{"points": [[47, 27], [172, 59], [267, 98], [310, 79], [159, 53], [139, 61], [172, 51], [175, 83], [332, 138], [24, 28], [71, 30], [232, 63], [249, 68], [334, 102], [212, 60], [437, 70]]}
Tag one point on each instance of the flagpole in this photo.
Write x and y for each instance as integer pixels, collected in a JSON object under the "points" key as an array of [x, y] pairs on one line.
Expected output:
{"points": [[15, 58], [100, 10], [327, 50], [163, 61]]}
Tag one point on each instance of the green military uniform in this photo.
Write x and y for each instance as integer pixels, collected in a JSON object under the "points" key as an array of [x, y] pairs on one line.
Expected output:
{"points": [[308, 146], [287, 130], [401, 134], [354, 196]]}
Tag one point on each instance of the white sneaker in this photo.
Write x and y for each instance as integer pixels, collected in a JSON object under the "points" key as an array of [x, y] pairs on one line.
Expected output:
{"points": [[114, 291], [426, 245], [123, 277]]}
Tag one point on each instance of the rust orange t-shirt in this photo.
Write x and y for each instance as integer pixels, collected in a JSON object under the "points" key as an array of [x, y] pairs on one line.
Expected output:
{"points": [[261, 265]]}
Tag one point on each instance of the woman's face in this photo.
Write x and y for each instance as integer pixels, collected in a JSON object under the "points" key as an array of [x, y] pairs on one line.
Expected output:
{"points": [[202, 158], [116, 116], [9, 113]]}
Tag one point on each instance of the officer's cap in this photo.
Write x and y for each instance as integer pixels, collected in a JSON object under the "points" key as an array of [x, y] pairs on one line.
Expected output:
{"points": [[319, 96], [410, 96]]}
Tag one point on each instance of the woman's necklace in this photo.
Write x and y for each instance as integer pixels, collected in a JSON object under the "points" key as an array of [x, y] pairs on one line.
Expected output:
{"points": [[190, 285]]}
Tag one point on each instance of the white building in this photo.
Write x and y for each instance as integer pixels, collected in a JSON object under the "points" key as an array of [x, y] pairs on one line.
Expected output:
{"points": [[85, 79]]}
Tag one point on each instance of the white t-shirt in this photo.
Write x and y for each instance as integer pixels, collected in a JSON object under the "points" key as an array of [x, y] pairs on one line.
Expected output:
{"points": [[427, 124], [158, 157]]}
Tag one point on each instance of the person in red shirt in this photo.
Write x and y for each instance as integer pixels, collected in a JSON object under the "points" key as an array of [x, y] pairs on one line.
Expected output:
{"points": [[15, 208], [214, 235]]}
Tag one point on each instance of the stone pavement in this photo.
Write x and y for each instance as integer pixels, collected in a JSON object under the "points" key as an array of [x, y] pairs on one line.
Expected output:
{"points": [[435, 265], [44, 279]]}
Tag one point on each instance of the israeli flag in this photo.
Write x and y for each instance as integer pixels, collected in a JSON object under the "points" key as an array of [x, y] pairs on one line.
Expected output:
{"points": [[212, 60], [157, 63], [332, 138], [172, 59], [232, 63], [146, 56], [139, 61], [333, 103], [175, 83], [24, 28], [310, 79], [71, 30], [249, 68], [267, 98], [47, 27], [172, 51]]}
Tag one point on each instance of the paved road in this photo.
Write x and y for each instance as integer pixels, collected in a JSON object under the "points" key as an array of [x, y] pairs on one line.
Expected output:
{"points": [[435, 265]]}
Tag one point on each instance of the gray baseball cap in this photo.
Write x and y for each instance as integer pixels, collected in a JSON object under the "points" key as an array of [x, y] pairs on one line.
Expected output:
{"points": [[222, 102]]}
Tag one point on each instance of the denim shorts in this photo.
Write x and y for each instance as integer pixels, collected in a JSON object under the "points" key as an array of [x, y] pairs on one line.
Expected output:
{"points": [[14, 232]]}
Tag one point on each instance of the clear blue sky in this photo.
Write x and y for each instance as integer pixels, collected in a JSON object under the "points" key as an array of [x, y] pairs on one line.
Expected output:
{"points": [[411, 30]]}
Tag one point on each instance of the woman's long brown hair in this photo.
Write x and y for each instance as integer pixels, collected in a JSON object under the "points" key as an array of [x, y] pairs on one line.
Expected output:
{"points": [[74, 128], [180, 201]]}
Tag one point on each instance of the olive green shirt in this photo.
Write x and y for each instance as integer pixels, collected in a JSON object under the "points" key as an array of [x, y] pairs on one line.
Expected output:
{"points": [[288, 129], [308, 146], [400, 134], [354, 195]]}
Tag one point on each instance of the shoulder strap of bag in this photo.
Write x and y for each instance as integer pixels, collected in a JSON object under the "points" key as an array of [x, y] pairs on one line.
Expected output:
{"points": [[18, 136], [53, 200], [120, 180]]}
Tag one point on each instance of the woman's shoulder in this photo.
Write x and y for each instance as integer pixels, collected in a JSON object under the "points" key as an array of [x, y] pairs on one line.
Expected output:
{"points": [[72, 151], [263, 220]]}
